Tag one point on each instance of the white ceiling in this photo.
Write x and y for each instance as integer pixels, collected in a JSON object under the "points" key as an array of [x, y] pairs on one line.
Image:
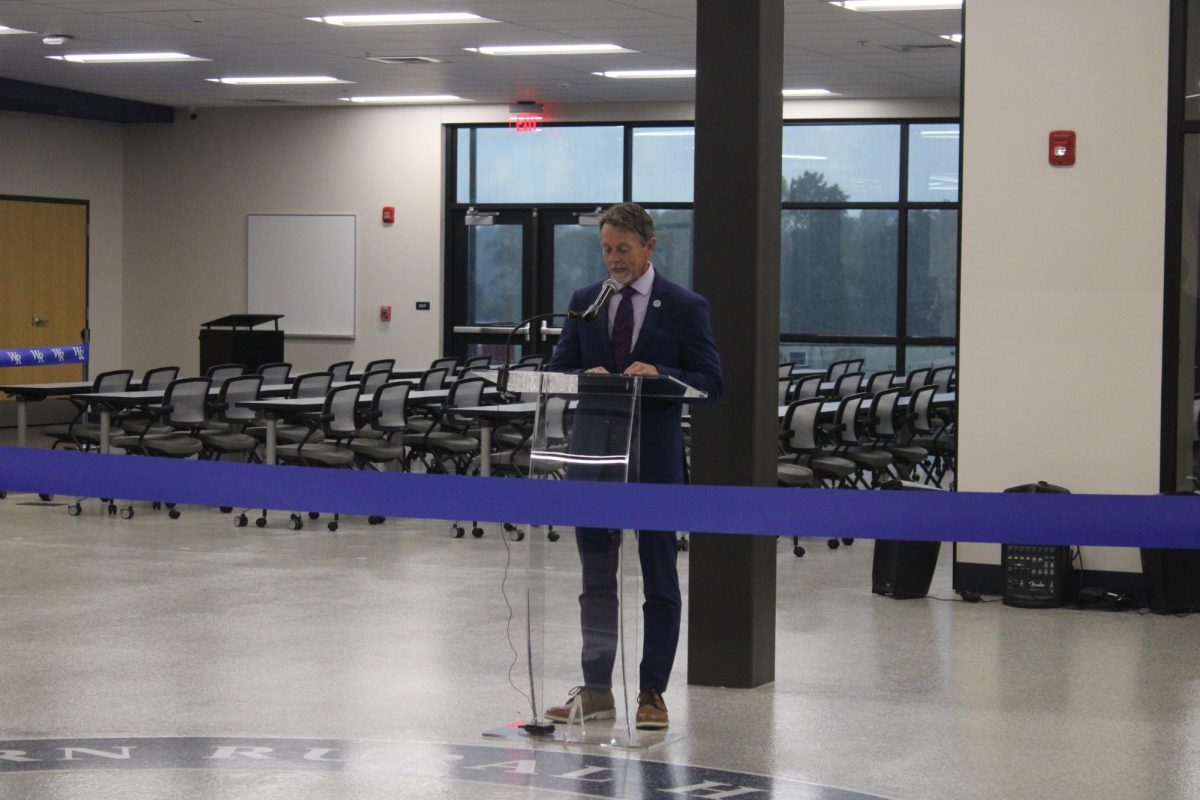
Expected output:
{"points": [[854, 54]]}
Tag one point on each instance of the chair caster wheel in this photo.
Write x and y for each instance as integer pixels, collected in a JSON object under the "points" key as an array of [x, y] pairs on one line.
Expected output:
{"points": [[458, 531], [112, 509], [847, 542], [834, 544], [45, 497], [261, 522], [226, 509], [798, 551], [517, 536], [3, 495], [127, 512], [374, 520], [75, 510], [681, 546], [156, 505], [477, 533], [314, 514], [173, 513], [553, 536], [241, 521], [333, 526], [296, 522], [509, 527]]}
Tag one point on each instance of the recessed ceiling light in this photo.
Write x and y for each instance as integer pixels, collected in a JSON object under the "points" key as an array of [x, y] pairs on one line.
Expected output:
{"points": [[954, 37], [808, 93], [55, 39], [648, 73], [445, 18], [124, 58], [297, 80], [4, 30], [548, 49], [899, 5], [407, 98]]}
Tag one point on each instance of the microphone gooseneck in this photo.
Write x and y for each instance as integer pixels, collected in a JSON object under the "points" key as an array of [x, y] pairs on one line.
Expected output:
{"points": [[607, 289]]}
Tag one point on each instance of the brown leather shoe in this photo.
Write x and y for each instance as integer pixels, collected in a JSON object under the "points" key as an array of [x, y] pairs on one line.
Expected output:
{"points": [[652, 711], [584, 705]]}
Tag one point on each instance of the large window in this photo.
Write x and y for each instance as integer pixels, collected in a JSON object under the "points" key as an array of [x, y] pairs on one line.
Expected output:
{"points": [[869, 227]]}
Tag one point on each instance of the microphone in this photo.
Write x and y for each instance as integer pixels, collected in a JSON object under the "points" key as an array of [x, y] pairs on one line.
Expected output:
{"points": [[606, 291]]}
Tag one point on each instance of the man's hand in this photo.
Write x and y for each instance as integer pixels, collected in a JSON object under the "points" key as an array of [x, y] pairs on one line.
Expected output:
{"points": [[598, 371], [640, 368]]}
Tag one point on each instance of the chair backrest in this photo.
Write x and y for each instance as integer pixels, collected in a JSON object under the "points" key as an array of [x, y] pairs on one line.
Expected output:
{"points": [[883, 413], [477, 362], [313, 384], [808, 386], [447, 364], [849, 383], [185, 402], [555, 415], [381, 364], [534, 358], [235, 391], [785, 385], [340, 420], [800, 420], [276, 373], [855, 365], [219, 373], [785, 370], [340, 370], [116, 380], [919, 407], [845, 423], [464, 392], [373, 380], [916, 379], [941, 378], [389, 407], [880, 381], [431, 379], [159, 378], [836, 370]]}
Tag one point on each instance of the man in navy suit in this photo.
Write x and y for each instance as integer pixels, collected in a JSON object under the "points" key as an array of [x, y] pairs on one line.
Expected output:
{"points": [[652, 327]]}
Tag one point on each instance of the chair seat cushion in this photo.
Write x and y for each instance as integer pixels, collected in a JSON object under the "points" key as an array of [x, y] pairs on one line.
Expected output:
{"points": [[869, 457], [908, 453], [438, 440], [286, 433], [831, 465], [228, 442], [327, 454], [176, 446], [793, 474], [377, 449]]}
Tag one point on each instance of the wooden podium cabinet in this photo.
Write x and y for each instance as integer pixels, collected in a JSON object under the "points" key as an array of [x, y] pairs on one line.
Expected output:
{"points": [[233, 340]]}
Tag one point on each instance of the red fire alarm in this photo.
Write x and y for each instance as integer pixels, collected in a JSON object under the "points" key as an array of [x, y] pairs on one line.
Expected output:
{"points": [[389, 214], [1062, 148], [385, 313]]}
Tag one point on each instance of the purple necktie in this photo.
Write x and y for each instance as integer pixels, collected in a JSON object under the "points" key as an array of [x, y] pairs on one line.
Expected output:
{"points": [[622, 329]]}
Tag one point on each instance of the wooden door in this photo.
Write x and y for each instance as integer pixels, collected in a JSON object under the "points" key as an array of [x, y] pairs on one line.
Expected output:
{"points": [[43, 282]]}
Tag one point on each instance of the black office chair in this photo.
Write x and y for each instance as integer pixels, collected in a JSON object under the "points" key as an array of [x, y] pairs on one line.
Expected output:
{"points": [[807, 387], [916, 379], [880, 381], [447, 445], [851, 442], [83, 432], [276, 373], [312, 384], [219, 373], [888, 427], [801, 444], [380, 444], [159, 378], [537, 359], [184, 409], [837, 369], [847, 384], [449, 364], [380, 365], [340, 370], [230, 438], [943, 378], [431, 380], [476, 362], [338, 425]]}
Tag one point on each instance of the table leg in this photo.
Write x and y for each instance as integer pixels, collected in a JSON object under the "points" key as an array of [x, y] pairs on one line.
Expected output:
{"points": [[22, 420], [270, 454], [105, 425], [485, 447]]}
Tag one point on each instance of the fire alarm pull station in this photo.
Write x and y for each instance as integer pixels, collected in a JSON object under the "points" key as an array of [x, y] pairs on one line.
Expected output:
{"points": [[385, 313], [389, 214], [1062, 148]]}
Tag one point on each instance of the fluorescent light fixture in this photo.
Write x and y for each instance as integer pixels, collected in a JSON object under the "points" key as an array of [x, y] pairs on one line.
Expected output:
{"points": [[363, 20], [648, 73], [548, 49], [283, 80], [686, 132], [5, 30], [808, 93], [953, 37], [406, 98], [124, 58], [806, 158], [899, 5], [946, 134]]}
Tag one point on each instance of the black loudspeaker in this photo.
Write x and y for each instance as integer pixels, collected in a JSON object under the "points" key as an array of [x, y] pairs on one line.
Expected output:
{"points": [[903, 570], [1037, 575], [1172, 580]]}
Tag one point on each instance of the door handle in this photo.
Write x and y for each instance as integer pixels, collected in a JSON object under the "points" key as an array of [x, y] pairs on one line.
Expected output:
{"points": [[39, 321]]}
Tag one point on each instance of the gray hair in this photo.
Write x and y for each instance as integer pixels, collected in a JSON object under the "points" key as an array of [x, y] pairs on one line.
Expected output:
{"points": [[630, 217]]}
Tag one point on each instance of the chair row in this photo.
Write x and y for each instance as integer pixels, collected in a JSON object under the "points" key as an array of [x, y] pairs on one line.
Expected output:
{"points": [[849, 383]]}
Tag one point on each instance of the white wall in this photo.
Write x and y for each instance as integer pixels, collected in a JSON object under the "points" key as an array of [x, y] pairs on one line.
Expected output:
{"points": [[43, 156], [1062, 268]]}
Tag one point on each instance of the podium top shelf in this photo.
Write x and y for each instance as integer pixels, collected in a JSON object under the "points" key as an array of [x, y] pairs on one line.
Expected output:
{"points": [[242, 321], [657, 386]]}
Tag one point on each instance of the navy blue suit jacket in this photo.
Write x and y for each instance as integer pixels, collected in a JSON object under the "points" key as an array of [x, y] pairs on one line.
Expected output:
{"points": [[677, 338]]}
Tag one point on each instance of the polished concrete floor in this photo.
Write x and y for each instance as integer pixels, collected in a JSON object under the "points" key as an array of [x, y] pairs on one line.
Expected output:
{"points": [[180, 639]]}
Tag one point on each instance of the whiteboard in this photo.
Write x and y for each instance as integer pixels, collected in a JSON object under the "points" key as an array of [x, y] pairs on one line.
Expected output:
{"points": [[303, 266]]}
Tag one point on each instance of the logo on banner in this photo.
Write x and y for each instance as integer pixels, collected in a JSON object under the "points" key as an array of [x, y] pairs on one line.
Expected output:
{"points": [[58, 353], [15, 358]]}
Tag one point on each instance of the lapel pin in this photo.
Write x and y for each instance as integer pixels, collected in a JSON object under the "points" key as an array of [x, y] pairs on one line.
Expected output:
{"points": [[658, 303]]}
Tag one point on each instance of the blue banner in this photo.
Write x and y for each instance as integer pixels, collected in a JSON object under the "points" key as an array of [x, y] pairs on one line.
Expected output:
{"points": [[1115, 520], [44, 356]]}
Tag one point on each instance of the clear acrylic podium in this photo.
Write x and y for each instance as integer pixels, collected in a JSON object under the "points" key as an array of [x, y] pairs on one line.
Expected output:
{"points": [[586, 427]]}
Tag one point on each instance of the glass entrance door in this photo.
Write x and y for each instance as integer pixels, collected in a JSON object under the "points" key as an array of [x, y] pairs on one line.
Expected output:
{"points": [[491, 285]]}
